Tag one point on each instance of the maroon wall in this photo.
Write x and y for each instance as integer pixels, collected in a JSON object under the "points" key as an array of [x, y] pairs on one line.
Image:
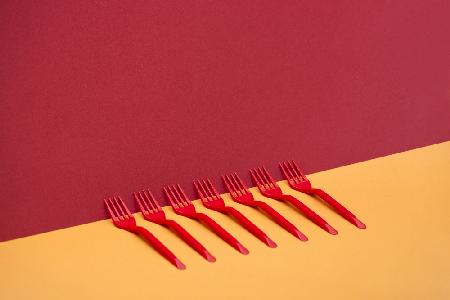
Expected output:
{"points": [[106, 97]]}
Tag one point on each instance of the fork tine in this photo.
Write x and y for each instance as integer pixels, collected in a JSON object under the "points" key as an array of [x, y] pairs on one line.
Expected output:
{"points": [[212, 188], [292, 168], [141, 204], [227, 182], [257, 179], [266, 180], [170, 196], [210, 192], [150, 199], [175, 195], [146, 201], [291, 174], [242, 184], [235, 184], [262, 176], [205, 189], [117, 208], [297, 168], [284, 171], [270, 180], [184, 197], [268, 174], [125, 208], [296, 175], [110, 210], [200, 190]]}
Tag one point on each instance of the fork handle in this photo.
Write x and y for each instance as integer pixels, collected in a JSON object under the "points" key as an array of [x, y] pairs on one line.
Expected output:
{"points": [[250, 226], [189, 239], [309, 213], [159, 247], [339, 208], [222, 233], [280, 220]]}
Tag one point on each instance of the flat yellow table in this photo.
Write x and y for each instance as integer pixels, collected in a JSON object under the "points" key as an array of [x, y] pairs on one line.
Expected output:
{"points": [[403, 254]]}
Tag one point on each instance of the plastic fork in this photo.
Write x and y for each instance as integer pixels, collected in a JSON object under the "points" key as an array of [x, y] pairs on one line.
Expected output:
{"points": [[298, 181], [269, 188], [184, 207], [153, 212], [123, 219], [211, 199], [241, 194]]}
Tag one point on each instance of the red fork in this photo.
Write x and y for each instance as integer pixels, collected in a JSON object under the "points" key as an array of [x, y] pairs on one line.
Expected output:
{"points": [[241, 194], [153, 212], [298, 181], [123, 219], [269, 188], [184, 207], [211, 199]]}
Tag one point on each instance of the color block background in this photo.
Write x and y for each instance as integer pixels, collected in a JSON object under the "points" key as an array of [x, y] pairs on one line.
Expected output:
{"points": [[107, 97], [403, 253]]}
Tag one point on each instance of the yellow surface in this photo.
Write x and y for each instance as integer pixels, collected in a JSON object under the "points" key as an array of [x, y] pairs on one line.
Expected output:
{"points": [[404, 254]]}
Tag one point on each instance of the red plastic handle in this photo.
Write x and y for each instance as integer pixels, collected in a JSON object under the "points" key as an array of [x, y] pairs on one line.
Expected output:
{"points": [[309, 213], [252, 228], [339, 208], [280, 220], [222, 233], [159, 247], [189, 239]]}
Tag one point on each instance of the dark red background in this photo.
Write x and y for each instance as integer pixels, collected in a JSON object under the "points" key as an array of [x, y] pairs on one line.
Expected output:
{"points": [[106, 97]]}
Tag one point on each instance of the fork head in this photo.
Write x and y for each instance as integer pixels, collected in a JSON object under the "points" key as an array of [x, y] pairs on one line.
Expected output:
{"points": [[179, 201], [295, 177], [149, 207], [119, 213], [238, 190], [266, 184], [208, 194]]}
